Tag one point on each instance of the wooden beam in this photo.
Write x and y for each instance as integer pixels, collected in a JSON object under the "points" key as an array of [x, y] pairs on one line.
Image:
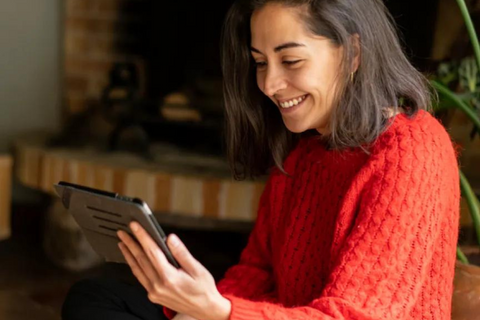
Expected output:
{"points": [[5, 195]]}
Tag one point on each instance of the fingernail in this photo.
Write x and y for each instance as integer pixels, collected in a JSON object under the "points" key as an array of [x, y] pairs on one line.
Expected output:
{"points": [[174, 241], [134, 226]]}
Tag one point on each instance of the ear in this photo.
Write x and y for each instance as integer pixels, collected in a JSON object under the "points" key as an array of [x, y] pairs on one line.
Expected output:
{"points": [[357, 51]]}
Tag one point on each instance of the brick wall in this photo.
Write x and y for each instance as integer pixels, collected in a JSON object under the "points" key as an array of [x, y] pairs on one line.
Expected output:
{"points": [[98, 33]]}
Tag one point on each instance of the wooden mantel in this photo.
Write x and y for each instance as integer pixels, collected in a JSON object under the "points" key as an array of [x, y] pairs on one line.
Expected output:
{"points": [[174, 182]]}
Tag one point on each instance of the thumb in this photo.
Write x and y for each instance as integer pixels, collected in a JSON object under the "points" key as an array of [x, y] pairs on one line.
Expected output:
{"points": [[188, 263]]}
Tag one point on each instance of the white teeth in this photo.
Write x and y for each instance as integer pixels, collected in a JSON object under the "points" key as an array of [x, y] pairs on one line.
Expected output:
{"points": [[291, 103]]}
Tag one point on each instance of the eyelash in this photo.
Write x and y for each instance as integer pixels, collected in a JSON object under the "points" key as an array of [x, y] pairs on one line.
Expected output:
{"points": [[290, 63]]}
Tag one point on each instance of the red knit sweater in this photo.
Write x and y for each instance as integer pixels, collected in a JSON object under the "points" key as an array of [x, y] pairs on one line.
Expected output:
{"points": [[349, 235]]}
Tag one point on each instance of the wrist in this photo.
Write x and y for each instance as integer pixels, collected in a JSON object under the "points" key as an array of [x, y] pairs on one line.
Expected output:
{"points": [[222, 309]]}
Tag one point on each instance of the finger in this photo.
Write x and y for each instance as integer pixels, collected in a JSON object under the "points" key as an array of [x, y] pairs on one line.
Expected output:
{"points": [[188, 263], [154, 253], [139, 255], [136, 269]]}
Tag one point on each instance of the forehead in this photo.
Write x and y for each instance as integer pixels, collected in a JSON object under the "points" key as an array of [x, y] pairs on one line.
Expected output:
{"points": [[276, 23]]}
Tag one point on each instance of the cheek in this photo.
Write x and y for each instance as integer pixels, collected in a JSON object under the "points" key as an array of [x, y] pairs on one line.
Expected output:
{"points": [[304, 79]]}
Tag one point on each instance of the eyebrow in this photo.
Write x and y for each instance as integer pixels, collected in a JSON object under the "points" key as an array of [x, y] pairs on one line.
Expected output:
{"points": [[281, 47]]}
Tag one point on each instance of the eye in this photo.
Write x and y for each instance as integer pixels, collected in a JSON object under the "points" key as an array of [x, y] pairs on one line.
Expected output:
{"points": [[260, 64], [291, 62]]}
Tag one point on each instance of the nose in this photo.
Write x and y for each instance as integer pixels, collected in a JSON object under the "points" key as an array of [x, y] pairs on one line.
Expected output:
{"points": [[273, 81]]}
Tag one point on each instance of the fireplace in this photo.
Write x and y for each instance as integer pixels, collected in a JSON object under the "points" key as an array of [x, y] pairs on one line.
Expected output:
{"points": [[171, 48]]}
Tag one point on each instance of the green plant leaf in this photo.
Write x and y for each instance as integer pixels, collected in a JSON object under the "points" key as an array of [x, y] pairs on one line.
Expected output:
{"points": [[470, 29], [473, 204], [447, 73], [468, 75], [461, 256], [457, 102]]}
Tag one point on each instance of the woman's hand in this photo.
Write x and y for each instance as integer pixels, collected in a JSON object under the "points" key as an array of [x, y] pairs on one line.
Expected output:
{"points": [[190, 290], [182, 316]]}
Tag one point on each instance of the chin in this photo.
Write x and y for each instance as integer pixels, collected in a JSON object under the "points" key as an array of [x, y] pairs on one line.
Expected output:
{"points": [[295, 127]]}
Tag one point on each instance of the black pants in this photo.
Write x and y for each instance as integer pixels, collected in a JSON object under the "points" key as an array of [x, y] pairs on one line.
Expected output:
{"points": [[109, 298], [115, 294]]}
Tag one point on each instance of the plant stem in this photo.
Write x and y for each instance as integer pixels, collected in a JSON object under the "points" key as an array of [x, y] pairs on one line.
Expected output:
{"points": [[470, 29], [459, 103], [461, 256], [472, 202]]}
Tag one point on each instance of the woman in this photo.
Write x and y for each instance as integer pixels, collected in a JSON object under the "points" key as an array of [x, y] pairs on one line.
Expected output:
{"points": [[359, 217]]}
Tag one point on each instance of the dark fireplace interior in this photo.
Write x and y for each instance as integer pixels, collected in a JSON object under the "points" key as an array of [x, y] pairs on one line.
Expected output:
{"points": [[184, 43]]}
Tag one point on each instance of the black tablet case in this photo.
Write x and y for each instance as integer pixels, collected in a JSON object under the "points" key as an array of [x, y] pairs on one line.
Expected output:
{"points": [[101, 214]]}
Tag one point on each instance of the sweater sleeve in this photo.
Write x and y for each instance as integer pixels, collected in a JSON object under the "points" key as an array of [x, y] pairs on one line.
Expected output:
{"points": [[411, 188], [252, 277]]}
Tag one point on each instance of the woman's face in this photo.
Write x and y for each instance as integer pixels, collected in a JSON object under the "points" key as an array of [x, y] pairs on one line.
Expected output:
{"points": [[296, 69]]}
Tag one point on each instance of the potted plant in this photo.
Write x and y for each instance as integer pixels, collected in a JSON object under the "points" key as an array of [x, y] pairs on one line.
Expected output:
{"points": [[464, 76], [458, 86]]}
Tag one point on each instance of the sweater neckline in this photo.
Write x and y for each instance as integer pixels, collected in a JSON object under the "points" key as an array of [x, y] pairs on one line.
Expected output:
{"points": [[393, 123]]}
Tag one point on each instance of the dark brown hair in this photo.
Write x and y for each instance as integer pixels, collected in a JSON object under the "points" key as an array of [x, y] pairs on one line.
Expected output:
{"points": [[256, 136]]}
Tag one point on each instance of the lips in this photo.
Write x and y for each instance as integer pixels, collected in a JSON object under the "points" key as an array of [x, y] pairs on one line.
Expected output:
{"points": [[286, 110], [285, 104]]}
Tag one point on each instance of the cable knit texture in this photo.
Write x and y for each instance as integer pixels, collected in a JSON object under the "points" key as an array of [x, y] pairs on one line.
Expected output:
{"points": [[350, 235]]}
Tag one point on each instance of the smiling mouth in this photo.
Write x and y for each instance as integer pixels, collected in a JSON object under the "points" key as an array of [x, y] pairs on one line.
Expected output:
{"points": [[293, 102]]}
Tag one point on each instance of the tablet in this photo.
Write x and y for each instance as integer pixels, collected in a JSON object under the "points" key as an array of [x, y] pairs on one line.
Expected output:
{"points": [[100, 214]]}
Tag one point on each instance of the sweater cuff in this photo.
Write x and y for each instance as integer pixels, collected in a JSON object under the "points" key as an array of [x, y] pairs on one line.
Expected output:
{"points": [[244, 309], [169, 313]]}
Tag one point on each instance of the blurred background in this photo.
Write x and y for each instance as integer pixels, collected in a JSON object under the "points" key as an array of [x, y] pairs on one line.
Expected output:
{"points": [[125, 95]]}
